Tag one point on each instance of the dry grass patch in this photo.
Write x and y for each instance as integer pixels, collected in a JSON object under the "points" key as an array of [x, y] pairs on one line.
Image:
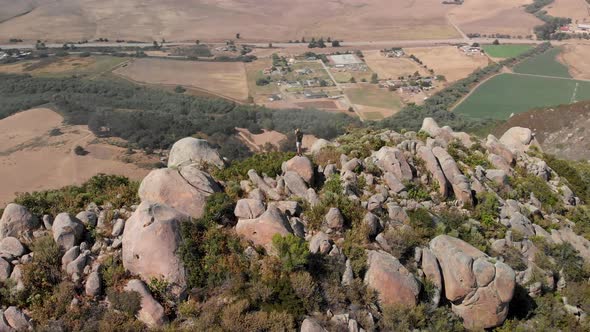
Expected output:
{"points": [[31, 159], [392, 68], [226, 79], [575, 57], [448, 61], [577, 10]]}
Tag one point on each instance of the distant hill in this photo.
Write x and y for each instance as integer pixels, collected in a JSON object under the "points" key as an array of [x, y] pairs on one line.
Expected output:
{"points": [[563, 130], [12, 8]]}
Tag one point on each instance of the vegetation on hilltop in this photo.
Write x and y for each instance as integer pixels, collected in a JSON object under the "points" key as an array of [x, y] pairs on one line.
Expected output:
{"points": [[154, 119]]}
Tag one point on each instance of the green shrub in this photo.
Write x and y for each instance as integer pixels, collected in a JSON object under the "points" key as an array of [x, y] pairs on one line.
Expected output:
{"points": [[117, 190], [54, 305], [112, 271], [126, 302], [268, 163], [581, 217], [402, 242], [576, 173], [417, 191], [292, 250], [422, 223], [44, 271], [114, 321], [405, 318], [525, 184]]}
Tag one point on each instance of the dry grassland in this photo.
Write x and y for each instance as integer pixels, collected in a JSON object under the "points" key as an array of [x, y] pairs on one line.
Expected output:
{"points": [[577, 10], [576, 58], [448, 61], [391, 68]]}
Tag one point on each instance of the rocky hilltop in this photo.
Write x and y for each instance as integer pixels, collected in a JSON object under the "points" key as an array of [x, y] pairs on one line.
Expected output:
{"points": [[375, 231]]}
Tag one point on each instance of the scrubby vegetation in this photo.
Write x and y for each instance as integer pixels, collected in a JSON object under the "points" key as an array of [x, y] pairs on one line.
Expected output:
{"points": [[154, 119]]}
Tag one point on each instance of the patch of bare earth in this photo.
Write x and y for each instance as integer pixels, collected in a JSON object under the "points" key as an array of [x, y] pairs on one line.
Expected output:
{"points": [[577, 10], [269, 138], [563, 131], [577, 58], [391, 68], [218, 20], [501, 16], [226, 79], [448, 61], [31, 159]]}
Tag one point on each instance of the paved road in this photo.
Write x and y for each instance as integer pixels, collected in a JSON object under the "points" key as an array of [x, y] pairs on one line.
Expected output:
{"points": [[379, 44]]}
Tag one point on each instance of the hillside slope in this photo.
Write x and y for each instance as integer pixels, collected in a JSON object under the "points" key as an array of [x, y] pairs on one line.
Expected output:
{"points": [[562, 130], [377, 230]]}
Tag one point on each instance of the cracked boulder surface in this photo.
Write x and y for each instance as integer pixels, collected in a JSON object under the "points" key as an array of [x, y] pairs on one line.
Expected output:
{"points": [[479, 288], [151, 241], [185, 189]]}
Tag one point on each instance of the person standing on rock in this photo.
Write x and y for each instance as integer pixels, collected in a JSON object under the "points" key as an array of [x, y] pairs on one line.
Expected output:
{"points": [[299, 140]]}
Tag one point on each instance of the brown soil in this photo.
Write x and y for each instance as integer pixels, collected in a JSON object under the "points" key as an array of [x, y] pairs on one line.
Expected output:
{"points": [[448, 61], [31, 159], [577, 10], [563, 131], [391, 68], [257, 143], [575, 56], [224, 79], [218, 20], [501, 16]]}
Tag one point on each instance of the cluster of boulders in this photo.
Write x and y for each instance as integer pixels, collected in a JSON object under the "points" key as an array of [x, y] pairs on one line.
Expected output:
{"points": [[147, 237]]}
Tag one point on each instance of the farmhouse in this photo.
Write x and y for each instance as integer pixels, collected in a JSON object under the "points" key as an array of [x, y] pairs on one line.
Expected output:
{"points": [[344, 60], [584, 27], [393, 53], [471, 50]]}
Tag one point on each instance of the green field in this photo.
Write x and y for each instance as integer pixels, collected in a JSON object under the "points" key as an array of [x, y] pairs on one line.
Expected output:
{"points": [[544, 64], [506, 51], [505, 94], [373, 96]]}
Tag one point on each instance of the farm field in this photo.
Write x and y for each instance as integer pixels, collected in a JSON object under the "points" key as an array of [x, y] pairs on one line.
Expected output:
{"points": [[448, 61], [226, 79], [31, 159], [545, 64], [218, 20], [11, 8], [254, 71], [577, 10], [508, 94], [505, 51], [504, 17], [575, 57], [64, 66], [374, 103], [391, 68]]}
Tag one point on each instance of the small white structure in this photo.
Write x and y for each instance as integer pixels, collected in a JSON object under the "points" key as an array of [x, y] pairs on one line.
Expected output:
{"points": [[345, 60]]}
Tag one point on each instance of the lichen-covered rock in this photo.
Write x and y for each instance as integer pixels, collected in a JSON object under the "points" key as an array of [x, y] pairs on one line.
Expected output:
{"points": [[295, 184], [93, 285], [185, 189], [432, 273], [17, 319], [191, 150], [334, 219], [151, 312], [67, 231], [496, 147], [262, 229], [5, 269], [17, 221], [320, 243], [311, 325], [518, 139], [393, 282], [479, 288], [259, 182], [319, 145], [393, 183], [151, 241], [88, 218], [302, 166], [11, 247]]}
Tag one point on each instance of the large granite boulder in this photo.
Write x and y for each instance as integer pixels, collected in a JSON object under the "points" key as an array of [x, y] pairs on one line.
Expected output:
{"points": [[459, 182], [151, 242], [433, 167], [249, 208], [67, 231], [393, 160], [261, 230], [295, 184], [393, 282], [17, 221], [191, 150], [151, 312], [301, 166], [479, 288], [185, 189], [498, 148], [518, 139]]}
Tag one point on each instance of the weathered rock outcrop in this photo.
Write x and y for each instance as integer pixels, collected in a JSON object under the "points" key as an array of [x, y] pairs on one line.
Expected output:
{"points": [[433, 167], [249, 208], [459, 182], [67, 231], [394, 283], [302, 166], [191, 150], [519, 139], [17, 221], [185, 189], [393, 160], [151, 312], [262, 229], [150, 245], [479, 289]]}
